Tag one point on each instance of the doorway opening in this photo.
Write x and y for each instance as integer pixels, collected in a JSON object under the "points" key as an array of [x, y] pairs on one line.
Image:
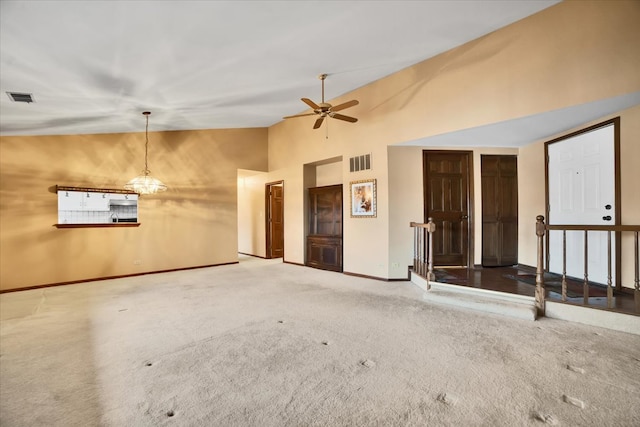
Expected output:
{"points": [[323, 213], [274, 217]]}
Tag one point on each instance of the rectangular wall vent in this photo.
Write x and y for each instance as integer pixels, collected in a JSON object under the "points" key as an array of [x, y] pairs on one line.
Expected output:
{"points": [[20, 97], [360, 163]]}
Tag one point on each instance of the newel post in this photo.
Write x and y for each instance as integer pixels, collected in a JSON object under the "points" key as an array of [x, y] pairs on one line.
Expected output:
{"points": [[540, 293]]}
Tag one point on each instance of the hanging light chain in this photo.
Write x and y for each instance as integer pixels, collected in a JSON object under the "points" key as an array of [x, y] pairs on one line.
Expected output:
{"points": [[145, 183]]}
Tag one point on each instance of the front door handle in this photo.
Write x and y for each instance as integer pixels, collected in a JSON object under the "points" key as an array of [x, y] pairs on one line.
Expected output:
{"points": [[607, 218]]}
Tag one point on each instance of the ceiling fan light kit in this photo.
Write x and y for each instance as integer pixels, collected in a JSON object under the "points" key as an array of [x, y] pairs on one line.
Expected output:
{"points": [[324, 109], [145, 183]]}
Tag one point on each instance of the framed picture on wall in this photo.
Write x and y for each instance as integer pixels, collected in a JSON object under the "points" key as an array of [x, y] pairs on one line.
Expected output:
{"points": [[363, 198]]}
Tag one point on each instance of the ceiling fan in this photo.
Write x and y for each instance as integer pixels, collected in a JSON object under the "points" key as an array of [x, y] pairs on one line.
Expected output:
{"points": [[325, 109]]}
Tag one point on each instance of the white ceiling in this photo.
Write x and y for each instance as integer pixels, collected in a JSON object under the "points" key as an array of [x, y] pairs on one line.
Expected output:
{"points": [[94, 66]]}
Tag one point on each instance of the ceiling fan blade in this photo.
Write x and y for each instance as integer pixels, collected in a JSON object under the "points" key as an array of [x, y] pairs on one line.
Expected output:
{"points": [[345, 118], [345, 105], [318, 123], [299, 115], [310, 103]]}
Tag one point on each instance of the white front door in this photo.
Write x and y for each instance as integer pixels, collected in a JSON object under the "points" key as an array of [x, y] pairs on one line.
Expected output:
{"points": [[582, 191]]}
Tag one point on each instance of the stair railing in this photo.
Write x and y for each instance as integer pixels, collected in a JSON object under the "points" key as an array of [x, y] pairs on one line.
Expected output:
{"points": [[542, 228], [423, 249]]}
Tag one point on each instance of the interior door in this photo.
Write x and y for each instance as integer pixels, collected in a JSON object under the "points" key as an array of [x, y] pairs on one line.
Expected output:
{"points": [[275, 220], [324, 241], [582, 190], [499, 210], [448, 200]]}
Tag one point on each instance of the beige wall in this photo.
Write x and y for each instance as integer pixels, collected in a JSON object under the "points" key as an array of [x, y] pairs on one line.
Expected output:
{"points": [[251, 224], [194, 223], [329, 174], [406, 198], [251, 212], [567, 55], [540, 64], [630, 186]]}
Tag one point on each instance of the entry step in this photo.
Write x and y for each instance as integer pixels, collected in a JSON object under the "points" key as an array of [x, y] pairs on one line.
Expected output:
{"points": [[517, 306]]}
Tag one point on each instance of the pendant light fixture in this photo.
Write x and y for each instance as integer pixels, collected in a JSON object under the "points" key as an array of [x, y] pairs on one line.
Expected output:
{"points": [[145, 183]]}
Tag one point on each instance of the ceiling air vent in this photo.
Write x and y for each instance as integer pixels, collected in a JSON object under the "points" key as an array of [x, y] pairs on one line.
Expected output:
{"points": [[20, 97], [360, 163]]}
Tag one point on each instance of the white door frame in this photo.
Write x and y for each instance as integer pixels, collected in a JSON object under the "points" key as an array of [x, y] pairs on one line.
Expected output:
{"points": [[617, 215]]}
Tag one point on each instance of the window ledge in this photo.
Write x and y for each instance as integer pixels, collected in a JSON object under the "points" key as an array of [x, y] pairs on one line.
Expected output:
{"points": [[99, 225]]}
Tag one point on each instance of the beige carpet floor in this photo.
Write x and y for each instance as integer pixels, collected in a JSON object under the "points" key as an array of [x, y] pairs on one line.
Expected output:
{"points": [[263, 343]]}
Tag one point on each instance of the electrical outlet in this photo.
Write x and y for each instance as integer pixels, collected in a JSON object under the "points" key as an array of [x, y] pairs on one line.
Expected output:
{"points": [[137, 262], [395, 265]]}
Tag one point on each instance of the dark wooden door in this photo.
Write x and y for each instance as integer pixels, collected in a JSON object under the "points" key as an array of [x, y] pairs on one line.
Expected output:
{"points": [[499, 210], [275, 220], [324, 241], [447, 201]]}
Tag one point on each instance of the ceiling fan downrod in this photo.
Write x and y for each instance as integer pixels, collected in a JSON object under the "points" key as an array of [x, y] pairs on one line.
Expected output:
{"points": [[322, 77]]}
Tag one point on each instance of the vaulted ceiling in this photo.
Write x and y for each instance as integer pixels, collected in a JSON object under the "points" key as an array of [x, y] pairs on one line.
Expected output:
{"points": [[94, 66]]}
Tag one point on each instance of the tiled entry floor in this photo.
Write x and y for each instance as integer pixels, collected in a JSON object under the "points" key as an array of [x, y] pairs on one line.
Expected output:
{"points": [[521, 281]]}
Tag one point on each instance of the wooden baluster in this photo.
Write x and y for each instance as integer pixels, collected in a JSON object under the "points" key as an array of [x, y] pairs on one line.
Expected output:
{"points": [[636, 293], [564, 265], [419, 251], [425, 256], [609, 287], [415, 248], [423, 270], [431, 230], [585, 286], [540, 292]]}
